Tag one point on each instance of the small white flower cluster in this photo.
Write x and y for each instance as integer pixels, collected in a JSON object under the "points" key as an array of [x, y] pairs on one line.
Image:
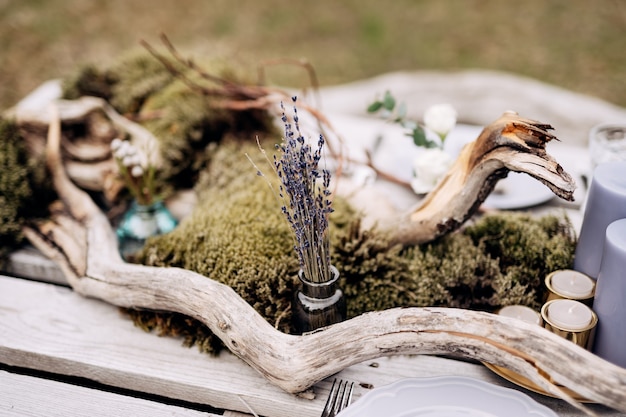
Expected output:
{"points": [[135, 169], [432, 164], [441, 119], [129, 156]]}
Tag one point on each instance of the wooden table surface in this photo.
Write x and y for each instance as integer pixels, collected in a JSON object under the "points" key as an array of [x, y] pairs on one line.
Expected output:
{"points": [[65, 355]]}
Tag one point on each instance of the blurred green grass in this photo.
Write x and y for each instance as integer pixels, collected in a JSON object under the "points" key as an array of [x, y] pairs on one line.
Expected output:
{"points": [[575, 44]]}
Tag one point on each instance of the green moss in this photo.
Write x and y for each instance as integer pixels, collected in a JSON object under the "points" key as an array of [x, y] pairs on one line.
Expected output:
{"points": [[25, 190], [527, 249], [184, 120], [88, 80], [237, 235]]}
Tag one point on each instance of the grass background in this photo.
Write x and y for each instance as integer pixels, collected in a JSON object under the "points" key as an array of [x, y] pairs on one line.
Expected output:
{"points": [[576, 44]]}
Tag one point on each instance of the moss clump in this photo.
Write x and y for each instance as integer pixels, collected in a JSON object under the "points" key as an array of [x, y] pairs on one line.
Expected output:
{"points": [[185, 121], [237, 235], [527, 249], [500, 260], [25, 190]]}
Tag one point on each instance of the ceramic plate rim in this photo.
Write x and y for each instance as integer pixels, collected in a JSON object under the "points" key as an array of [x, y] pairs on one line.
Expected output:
{"points": [[390, 393]]}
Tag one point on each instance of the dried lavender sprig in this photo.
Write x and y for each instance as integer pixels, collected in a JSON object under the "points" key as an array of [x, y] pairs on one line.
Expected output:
{"points": [[304, 189]]}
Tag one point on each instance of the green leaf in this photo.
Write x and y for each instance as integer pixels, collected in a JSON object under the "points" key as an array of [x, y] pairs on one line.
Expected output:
{"points": [[375, 106], [419, 138], [408, 124], [402, 111], [388, 101]]}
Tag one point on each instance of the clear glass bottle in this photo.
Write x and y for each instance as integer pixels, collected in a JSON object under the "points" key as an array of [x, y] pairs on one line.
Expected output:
{"points": [[317, 305]]}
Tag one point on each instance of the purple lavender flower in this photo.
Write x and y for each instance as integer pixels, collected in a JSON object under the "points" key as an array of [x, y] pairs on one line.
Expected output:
{"points": [[304, 190]]}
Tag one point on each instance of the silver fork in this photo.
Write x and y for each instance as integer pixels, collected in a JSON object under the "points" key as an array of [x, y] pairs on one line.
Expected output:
{"points": [[339, 398]]}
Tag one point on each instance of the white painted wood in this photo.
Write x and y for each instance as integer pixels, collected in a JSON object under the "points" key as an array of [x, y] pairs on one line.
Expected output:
{"points": [[29, 262], [52, 329], [479, 97], [22, 395]]}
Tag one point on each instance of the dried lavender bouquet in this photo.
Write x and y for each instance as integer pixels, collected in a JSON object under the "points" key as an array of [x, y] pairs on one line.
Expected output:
{"points": [[305, 197]]}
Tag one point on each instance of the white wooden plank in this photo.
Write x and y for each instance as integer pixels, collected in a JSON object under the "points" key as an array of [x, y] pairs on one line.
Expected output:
{"points": [[29, 262], [50, 328], [22, 395]]}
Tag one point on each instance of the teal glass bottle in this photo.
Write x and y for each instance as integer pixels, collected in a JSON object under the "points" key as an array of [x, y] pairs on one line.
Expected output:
{"points": [[141, 222]]}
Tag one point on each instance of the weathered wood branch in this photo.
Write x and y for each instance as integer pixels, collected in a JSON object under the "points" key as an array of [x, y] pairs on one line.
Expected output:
{"points": [[511, 143], [82, 242]]}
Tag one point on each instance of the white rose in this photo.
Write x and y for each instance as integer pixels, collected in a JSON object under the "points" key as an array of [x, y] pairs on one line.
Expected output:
{"points": [[440, 118], [428, 168]]}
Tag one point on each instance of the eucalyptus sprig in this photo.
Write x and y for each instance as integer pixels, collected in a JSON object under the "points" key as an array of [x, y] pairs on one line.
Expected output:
{"points": [[440, 119], [386, 107]]}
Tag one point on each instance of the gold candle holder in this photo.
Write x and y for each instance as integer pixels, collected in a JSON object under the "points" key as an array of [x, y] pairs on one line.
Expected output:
{"points": [[570, 285], [570, 319]]}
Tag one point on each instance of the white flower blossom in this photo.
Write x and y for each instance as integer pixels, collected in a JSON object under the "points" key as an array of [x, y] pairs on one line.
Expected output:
{"points": [[115, 144], [128, 161], [440, 118], [122, 150], [136, 171], [428, 168]]}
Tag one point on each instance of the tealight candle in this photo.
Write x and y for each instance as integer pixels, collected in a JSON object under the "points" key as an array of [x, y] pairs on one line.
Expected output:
{"points": [[520, 312], [573, 284], [569, 315], [571, 320], [570, 284]]}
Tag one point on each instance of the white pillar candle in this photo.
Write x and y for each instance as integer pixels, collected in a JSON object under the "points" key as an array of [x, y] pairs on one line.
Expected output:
{"points": [[520, 312], [569, 315], [572, 284]]}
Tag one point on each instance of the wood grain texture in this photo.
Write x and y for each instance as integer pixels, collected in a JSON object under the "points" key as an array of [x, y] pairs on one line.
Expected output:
{"points": [[49, 328], [510, 143], [30, 396]]}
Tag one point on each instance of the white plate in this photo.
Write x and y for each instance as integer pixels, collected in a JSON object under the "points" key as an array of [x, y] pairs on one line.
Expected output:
{"points": [[518, 191], [445, 396]]}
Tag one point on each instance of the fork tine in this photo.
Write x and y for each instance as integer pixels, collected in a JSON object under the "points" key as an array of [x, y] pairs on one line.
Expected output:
{"points": [[340, 397], [338, 405], [330, 402], [347, 398]]}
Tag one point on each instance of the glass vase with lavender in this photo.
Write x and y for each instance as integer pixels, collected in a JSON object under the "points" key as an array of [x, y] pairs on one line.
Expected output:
{"points": [[306, 204]]}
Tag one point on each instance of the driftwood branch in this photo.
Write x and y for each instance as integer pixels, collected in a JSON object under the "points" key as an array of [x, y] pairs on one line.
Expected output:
{"points": [[511, 143], [81, 241]]}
